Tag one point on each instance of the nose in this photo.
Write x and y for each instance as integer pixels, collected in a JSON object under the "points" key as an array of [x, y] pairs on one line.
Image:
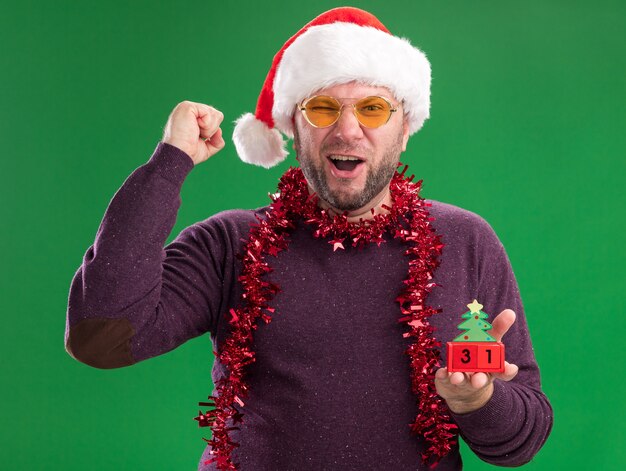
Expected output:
{"points": [[347, 126]]}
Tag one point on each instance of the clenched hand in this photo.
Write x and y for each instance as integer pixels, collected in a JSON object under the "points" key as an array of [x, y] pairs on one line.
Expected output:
{"points": [[195, 129]]}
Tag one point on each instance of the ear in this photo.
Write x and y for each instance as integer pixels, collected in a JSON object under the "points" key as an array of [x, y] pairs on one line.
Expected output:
{"points": [[405, 133]]}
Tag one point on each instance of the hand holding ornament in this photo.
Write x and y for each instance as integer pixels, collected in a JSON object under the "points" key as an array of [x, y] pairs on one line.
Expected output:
{"points": [[467, 392]]}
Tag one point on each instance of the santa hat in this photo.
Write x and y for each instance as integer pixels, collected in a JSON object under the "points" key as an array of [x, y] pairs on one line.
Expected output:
{"points": [[339, 46]]}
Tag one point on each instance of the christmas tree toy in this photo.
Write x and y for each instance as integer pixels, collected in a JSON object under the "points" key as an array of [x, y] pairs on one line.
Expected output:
{"points": [[475, 350]]}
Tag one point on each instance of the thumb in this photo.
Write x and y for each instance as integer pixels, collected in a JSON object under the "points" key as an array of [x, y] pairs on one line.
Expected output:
{"points": [[502, 323]]}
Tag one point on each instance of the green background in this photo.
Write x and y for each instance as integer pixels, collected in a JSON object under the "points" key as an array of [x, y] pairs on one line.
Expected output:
{"points": [[527, 130]]}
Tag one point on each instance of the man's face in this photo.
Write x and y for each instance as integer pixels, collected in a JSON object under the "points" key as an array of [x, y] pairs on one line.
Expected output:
{"points": [[349, 186]]}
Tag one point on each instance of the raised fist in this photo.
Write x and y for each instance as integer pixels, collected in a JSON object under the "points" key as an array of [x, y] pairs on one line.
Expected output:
{"points": [[195, 129]]}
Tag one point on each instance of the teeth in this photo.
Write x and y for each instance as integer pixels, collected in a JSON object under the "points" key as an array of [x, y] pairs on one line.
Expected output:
{"points": [[344, 157]]}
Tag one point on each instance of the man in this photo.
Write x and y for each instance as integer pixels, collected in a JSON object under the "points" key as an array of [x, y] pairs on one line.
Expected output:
{"points": [[328, 307]]}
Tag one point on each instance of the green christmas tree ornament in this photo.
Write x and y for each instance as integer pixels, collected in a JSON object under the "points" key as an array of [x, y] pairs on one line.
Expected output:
{"points": [[475, 325], [475, 350]]}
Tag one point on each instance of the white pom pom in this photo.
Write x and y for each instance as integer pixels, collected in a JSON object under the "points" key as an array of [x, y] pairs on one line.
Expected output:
{"points": [[257, 144]]}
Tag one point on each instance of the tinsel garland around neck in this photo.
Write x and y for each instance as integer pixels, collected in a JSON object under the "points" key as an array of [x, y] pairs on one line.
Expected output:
{"points": [[408, 220]]}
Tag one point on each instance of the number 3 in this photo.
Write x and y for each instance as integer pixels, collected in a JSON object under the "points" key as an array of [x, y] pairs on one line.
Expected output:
{"points": [[466, 358]]}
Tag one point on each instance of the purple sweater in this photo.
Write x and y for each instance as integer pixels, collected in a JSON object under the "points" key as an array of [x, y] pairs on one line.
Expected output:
{"points": [[330, 388]]}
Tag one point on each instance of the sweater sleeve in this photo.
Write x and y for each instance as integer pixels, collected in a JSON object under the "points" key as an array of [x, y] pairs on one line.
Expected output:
{"points": [[132, 298], [514, 424]]}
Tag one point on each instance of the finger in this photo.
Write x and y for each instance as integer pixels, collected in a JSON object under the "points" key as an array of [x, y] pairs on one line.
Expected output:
{"points": [[502, 323], [209, 120], [480, 380], [510, 371], [457, 378], [441, 374], [216, 142]]}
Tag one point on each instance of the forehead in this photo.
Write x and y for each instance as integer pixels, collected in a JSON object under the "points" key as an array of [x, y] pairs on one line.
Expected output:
{"points": [[354, 90]]}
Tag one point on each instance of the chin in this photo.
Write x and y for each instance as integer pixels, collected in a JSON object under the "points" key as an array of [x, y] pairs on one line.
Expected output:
{"points": [[346, 203]]}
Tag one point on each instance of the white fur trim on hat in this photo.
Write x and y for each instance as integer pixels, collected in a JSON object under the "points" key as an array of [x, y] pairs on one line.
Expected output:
{"points": [[257, 144], [338, 53]]}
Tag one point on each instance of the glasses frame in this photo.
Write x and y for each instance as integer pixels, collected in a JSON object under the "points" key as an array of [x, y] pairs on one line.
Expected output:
{"points": [[302, 108]]}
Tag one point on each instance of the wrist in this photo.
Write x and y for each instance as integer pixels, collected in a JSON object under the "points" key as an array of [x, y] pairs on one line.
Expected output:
{"points": [[182, 146], [171, 163]]}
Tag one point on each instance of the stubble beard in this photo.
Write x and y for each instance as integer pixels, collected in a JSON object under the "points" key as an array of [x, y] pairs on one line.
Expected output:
{"points": [[378, 177]]}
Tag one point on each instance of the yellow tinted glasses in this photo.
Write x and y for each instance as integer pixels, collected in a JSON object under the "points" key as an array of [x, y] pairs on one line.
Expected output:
{"points": [[322, 111]]}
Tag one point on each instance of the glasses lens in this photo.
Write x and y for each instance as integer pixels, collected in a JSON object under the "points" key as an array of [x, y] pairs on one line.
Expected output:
{"points": [[373, 111], [322, 111]]}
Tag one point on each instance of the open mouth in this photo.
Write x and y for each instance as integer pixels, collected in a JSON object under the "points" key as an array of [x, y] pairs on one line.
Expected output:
{"points": [[345, 163]]}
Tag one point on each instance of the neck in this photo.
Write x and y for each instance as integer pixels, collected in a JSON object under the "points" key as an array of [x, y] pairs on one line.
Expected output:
{"points": [[364, 213]]}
